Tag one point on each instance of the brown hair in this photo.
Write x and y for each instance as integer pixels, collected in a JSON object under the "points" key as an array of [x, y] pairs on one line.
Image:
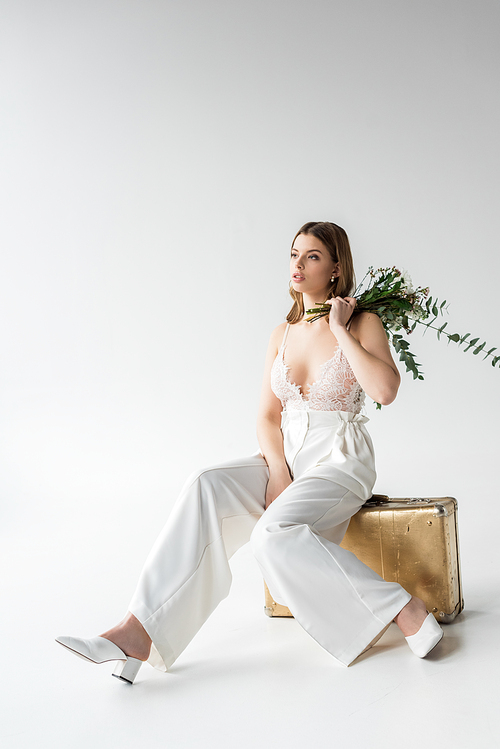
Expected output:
{"points": [[337, 243]]}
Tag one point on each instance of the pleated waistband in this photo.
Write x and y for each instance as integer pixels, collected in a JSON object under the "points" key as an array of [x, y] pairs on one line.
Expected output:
{"points": [[334, 438], [310, 418]]}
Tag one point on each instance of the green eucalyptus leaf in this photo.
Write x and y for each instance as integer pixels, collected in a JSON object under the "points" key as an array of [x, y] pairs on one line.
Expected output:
{"points": [[412, 365], [428, 325], [472, 343]]}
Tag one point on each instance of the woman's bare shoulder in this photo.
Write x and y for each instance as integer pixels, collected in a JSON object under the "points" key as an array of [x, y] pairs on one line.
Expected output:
{"points": [[365, 322], [277, 335], [363, 319], [280, 328]]}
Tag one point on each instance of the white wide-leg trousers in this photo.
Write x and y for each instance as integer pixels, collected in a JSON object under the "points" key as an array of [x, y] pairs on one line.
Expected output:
{"points": [[337, 599]]}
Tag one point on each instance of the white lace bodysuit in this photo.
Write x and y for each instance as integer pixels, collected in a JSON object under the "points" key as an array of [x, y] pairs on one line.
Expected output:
{"points": [[336, 389]]}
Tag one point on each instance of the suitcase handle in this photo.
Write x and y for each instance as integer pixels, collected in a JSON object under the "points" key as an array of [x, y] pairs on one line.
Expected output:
{"points": [[379, 498]]}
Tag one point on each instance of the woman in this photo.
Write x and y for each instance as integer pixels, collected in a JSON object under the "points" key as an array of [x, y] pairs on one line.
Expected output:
{"points": [[293, 500]]}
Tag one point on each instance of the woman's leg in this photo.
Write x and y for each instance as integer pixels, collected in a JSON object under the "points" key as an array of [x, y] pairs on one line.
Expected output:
{"points": [[131, 637], [187, 573], [411, 616], [340, 602]]}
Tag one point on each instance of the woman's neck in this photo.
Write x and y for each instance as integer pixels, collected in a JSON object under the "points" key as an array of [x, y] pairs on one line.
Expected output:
{"points": [[312, 300]]}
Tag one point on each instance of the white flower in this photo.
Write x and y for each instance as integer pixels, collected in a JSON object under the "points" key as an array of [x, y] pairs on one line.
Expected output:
{"points": [[407, 281], [417, 313]]}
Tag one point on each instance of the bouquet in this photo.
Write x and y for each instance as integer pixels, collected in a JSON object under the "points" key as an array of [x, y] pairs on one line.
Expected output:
{"points": [[390, 294]]}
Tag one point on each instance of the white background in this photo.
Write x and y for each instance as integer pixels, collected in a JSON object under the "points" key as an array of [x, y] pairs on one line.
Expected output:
{"points": [[157, 159]]}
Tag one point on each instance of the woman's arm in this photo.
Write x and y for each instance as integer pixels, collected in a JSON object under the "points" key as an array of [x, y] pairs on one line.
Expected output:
{"points": [[269, 433], [367, 350]]}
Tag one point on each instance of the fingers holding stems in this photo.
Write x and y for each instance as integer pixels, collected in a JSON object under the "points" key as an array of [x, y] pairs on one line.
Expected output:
{"points": [[341, 311]]}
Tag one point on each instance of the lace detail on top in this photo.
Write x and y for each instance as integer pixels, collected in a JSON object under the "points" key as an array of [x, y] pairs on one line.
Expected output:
{"points": [[336, 388]]}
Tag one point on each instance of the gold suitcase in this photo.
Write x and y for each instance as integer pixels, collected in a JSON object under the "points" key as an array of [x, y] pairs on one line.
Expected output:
{"points": [[413, 542]]}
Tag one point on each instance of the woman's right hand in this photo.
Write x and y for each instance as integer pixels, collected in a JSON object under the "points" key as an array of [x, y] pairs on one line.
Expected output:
{"points": [[278, 482]]}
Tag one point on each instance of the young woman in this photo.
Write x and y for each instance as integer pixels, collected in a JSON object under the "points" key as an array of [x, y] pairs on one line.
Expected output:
{"points": [[292, 500]]}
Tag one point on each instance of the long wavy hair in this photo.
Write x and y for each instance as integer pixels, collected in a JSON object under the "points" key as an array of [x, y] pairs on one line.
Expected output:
{"points": [[337, 243]]}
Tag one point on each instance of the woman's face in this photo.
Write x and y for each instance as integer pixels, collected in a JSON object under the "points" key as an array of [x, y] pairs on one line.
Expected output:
{"points": [[311, 261]]}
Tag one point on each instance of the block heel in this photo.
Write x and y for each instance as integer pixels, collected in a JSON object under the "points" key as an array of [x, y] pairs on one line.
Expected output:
{"points": [[128, 670]]}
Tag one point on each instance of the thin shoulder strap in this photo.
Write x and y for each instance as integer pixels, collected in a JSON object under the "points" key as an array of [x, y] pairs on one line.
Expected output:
{"points": [[284, 337]]}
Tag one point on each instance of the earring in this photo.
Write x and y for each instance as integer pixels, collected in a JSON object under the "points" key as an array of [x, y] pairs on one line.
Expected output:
{"points": [[332, 279]]}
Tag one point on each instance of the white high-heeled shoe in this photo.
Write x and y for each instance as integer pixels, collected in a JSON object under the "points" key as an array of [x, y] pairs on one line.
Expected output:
{"points": [[100, 650], [427, 637]]}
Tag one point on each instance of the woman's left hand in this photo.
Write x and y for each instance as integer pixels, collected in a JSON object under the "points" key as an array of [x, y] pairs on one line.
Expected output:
{"points": [[341, 311]]}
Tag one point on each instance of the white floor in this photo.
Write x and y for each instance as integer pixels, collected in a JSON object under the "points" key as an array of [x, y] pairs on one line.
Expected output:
{"points": [[245, 680]]}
